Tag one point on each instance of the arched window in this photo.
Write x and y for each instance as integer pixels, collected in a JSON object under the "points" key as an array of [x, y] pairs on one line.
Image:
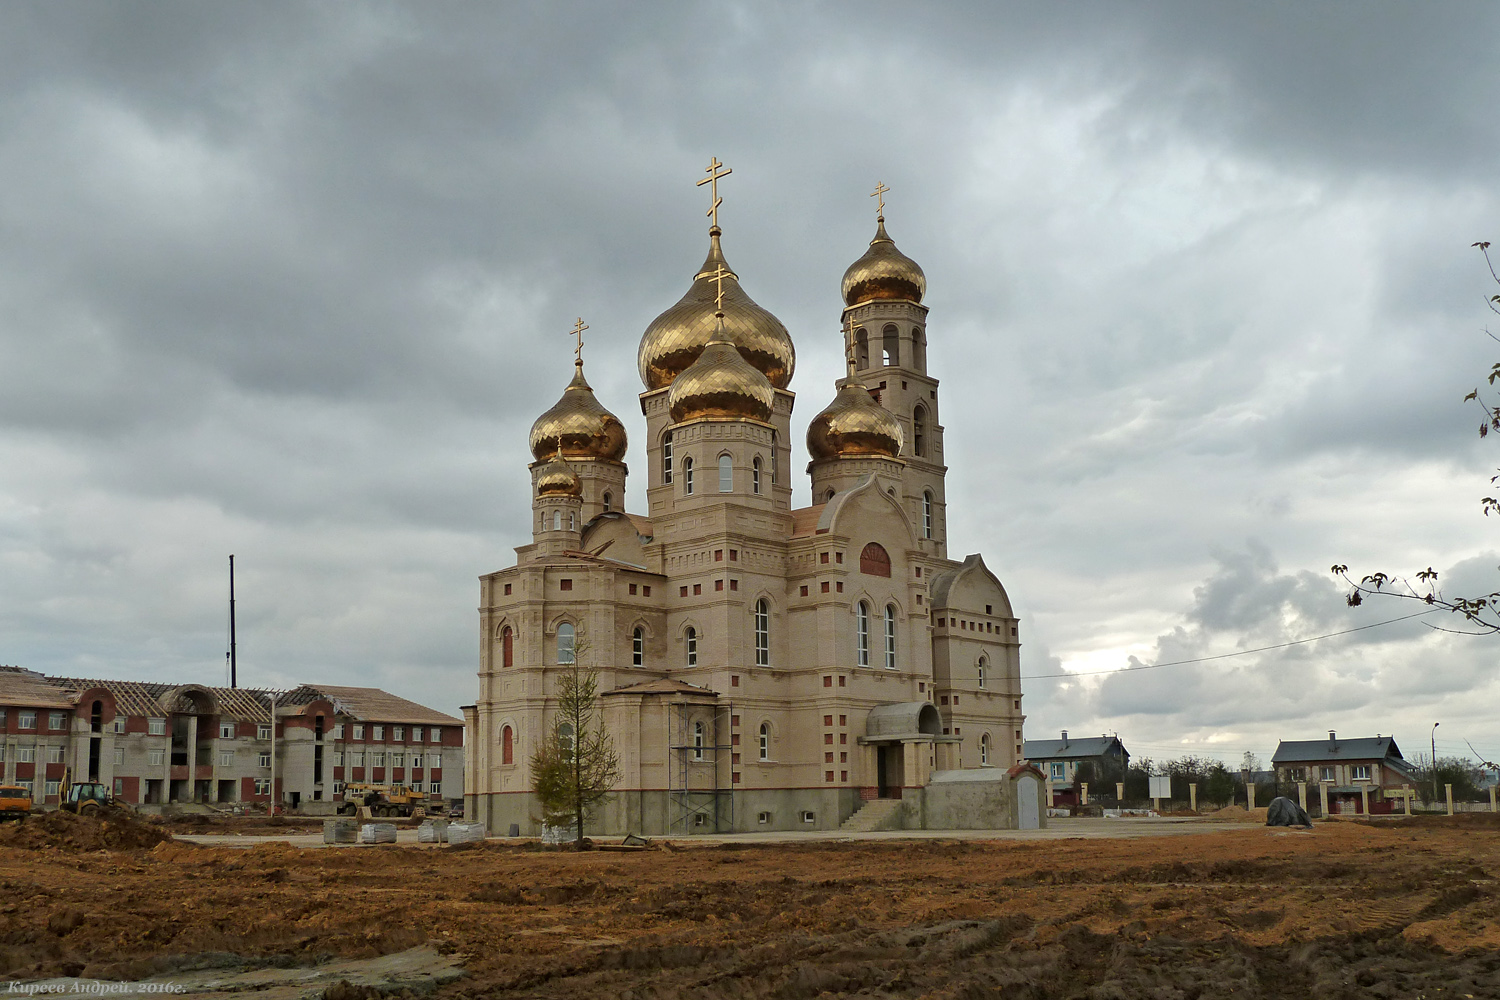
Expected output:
{"points": [[919, 431], [565, 643], [609, 501], [874, 560], [638, 648], [687, 476], [984, 750], [698, 740], [892, 339], [565, 733], [890, 637], [984, 669], [557, 520], [765, 741], [507, 746], [692, 646], [570, 520], [507, 647], [755, 475], [666, 457], [828, 496], [726, 474], [762, 633], [926, 513], [862, 349]]}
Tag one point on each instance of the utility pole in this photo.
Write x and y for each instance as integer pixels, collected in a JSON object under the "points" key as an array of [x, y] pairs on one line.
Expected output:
{"points": [[233, 661], [1433, 737]]}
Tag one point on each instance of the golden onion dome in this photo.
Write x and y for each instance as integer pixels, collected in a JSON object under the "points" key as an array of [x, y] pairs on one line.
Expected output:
{"points": [[854, 426], [674, 339], [555, 478], [578, 425], [721, 383], [883, 273]]}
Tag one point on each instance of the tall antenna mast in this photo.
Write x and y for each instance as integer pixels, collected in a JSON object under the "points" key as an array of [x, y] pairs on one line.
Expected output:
{"points": [[233, 663]]}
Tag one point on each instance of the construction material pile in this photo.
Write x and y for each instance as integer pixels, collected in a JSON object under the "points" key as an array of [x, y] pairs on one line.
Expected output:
{"points": [[110, 830]]}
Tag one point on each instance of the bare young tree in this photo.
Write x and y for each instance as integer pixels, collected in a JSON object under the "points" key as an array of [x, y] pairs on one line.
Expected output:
{"points": [[576, 766], [1481, 612]]}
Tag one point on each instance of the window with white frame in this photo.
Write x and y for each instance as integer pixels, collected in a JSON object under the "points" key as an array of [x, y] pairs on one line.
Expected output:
{"points": [[984, 669], [28, 720], [398, 733], [226, 758], [379, 733], [565, 645], [398, 760], [726, 474], [338, 731], [338, 788], [119, 755], [698, 740], [638, 647], [1361, 772], [666, 457], [263, 731], [755, 475], [262, 786], [1057, 770], [118, 725], [53, 785], [226, 731], [927, 514], [27, 785], [377, 760], [435, 734], [692, 646], [890, 637], [687, 476], [762, 633], [416, 734], [357, 759], [338, 758], [434, 760], [984, 750], [156, 727], [119, 787], [417, 786], [26, 755], [264, 758], [54, 720], [862, 634], [56, 755], [359, 730], [1327, 774], [156, 758], [765, 741]]}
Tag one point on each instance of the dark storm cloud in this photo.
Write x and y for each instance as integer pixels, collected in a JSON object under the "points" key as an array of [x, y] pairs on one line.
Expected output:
{"points": [[293, 280]]}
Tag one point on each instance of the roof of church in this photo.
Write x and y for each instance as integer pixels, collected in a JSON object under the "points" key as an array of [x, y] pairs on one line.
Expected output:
{"points": [[805, 520]]}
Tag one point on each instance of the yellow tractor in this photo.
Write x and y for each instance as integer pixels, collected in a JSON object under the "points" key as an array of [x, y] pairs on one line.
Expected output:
{"points": [[87, 798]]}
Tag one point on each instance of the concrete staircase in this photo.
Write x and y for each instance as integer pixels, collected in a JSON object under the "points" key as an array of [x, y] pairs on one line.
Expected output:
{"points": [[875, 814]]}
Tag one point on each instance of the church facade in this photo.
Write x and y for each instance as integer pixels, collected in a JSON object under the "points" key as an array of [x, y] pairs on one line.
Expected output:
{"points": [[760, 667]]}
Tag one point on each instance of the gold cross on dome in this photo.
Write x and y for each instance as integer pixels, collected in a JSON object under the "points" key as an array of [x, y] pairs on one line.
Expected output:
{"points": [[577, 331], [879, 192], [713, 180], [718, 275]]}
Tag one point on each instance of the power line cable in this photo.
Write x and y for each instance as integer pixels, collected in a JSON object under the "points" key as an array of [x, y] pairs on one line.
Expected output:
{"points": [[1222, 656]]}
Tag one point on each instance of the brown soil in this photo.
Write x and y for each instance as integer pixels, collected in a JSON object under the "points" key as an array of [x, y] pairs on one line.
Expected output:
{"points": [[249, 826], [109, 830], [1346, 910]]}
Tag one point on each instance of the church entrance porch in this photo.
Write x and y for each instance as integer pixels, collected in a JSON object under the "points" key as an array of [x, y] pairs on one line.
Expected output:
{"points": [[888, 769]]}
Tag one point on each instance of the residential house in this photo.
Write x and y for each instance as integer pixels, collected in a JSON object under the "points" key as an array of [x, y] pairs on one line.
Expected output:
{"points": [[1060, 759], [1351, 768]]}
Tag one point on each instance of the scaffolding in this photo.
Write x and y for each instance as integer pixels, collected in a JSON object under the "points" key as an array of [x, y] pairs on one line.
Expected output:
{"points": [[702, 800]]}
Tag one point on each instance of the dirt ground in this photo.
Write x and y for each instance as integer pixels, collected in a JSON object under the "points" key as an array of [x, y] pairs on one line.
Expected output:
{"points": [[1396, 909]]}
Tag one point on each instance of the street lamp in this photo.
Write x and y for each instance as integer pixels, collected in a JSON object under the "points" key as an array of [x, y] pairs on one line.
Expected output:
{"points": [[1432, 736]]}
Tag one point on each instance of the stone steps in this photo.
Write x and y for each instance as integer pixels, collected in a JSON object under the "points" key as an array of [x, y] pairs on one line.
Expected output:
{"points": [[875, 814]]}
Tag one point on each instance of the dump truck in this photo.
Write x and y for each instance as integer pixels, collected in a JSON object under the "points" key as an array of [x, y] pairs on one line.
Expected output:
{"points": [[15, 802], [383, 800]]}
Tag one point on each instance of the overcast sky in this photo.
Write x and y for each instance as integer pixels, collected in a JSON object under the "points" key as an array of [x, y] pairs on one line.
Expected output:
{"points": [[292, 281]]}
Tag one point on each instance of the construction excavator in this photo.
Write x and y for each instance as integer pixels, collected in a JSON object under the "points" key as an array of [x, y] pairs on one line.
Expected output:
{"points": [[87, 798]]}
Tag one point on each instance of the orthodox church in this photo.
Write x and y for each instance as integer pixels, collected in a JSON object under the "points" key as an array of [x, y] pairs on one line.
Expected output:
{"points": [[761, 667]]}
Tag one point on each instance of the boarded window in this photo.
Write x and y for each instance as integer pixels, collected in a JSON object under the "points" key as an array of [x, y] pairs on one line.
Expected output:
{"points": [[874, 561]]}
